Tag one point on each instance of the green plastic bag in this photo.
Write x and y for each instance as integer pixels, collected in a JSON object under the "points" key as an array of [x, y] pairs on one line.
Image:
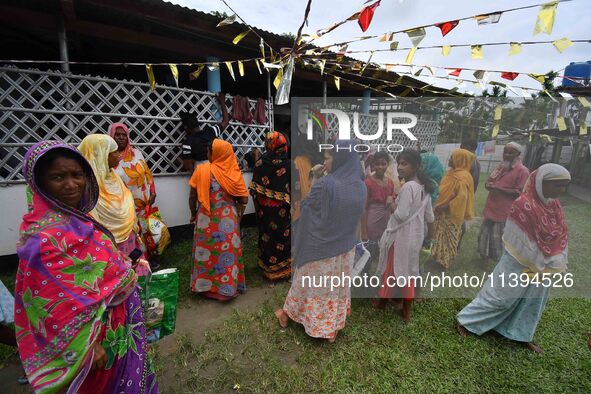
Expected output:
{"points": [[160, 295]]}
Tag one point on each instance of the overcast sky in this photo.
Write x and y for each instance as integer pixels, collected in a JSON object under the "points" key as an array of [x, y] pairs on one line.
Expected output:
{"points": [[572, 21]]}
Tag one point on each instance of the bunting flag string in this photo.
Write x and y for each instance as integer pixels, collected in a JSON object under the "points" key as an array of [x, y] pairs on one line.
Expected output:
{"points": [[125, 64], [495, 124], [478, 73], [544, 22], [235, 16], [406, 92], [514, 46], [539, 77]]}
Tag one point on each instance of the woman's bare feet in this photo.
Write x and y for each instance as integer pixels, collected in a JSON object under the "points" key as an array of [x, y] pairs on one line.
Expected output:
{"points": [[333, 337], [282, 317], [405, 312], [534, 348], [462, 330]]}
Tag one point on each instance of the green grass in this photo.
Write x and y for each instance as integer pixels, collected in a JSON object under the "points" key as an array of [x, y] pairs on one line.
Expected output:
{"points": [[377, 352]]}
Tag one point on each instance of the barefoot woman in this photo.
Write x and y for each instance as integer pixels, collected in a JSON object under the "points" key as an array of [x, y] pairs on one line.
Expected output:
{"points": [[324, 245], [514, 310]]}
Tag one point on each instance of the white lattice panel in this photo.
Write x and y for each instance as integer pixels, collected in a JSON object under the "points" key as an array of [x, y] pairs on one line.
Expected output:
{"points": [[38, 105]]}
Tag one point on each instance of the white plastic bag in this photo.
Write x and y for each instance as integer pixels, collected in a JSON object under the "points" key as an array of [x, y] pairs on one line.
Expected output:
{"points": [[362, 256]]}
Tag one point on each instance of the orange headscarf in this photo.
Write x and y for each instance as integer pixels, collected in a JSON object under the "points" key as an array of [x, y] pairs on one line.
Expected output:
{"points": [[224, 169], [457, 187]]}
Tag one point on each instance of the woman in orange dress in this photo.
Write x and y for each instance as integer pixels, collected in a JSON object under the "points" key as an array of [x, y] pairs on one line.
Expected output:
{"points": [[217, 200]]}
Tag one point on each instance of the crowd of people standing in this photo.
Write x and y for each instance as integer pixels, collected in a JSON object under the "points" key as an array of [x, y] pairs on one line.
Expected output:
{"points": [[77, 309]]}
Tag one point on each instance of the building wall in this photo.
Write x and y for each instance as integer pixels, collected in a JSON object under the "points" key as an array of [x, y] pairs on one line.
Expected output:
{"points": [[172, 200], [487, 162]]}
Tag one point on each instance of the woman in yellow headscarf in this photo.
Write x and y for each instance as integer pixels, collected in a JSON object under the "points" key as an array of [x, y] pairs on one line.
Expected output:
{"points": [[115, 208], [454, 205], [217, 200]]}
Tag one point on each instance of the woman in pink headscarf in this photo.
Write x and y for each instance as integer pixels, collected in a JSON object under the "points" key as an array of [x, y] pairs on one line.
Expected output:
{"points": [[136, 175]]}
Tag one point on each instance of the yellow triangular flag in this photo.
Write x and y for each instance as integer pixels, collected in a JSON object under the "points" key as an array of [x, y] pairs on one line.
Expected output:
{"points": [[337, 82], [322, 64], [541, 78], [498, 112], [583, 128], [405, 92], [240, 36], [151, 78], [195, 74], [445, 50], [496, 130], [545, 21], [391, 37], [230, 69], [411, 55], [278, 78], [240, 68], [515, 48], [560, 122], [584, 101], [477, 52], [175, 74], [384, 37], [562, 44], [256, 61]]}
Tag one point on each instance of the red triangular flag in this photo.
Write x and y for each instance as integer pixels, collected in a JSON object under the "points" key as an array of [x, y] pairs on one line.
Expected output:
{"points": [[446, 27], [367, 15], [509, 75], [456, 72]]}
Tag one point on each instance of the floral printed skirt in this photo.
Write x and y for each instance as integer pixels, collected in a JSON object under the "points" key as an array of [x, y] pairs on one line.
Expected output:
{"points": [[218, 270], [321, 310]]}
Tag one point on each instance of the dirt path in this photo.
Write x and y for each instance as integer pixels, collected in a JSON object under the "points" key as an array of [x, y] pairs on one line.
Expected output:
{"points": [[197, 316], [194, 318]]}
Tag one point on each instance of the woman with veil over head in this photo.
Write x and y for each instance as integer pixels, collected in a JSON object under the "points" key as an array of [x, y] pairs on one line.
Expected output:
{"points": [[325, 243]]}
